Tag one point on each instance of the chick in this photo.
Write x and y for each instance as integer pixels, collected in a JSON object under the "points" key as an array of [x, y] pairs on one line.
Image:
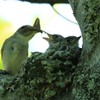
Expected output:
{"points": [[70, 42], [53, 40], [15, 49]]}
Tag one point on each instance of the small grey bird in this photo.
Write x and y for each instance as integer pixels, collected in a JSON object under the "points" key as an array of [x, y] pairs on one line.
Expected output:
{"points": [[58, 40], [53, 40], [70, 42], [73, 40], [58, 45], [15, 49]]}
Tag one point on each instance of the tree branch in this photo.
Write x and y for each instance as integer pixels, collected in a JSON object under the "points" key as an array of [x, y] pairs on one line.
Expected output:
{"points": [[47, 1]]}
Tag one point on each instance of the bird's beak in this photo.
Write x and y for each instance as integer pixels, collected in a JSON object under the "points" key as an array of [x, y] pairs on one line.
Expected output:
{"points": [[36, 26], [49, 38], [78, 37]]}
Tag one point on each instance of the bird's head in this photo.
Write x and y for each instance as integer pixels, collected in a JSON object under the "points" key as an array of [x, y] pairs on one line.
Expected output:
{"points": [[26, 32], [53, 38], [72, 41]]}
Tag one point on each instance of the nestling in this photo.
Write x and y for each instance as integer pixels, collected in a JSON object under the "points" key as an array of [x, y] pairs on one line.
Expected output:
{"points": [[53, 40], [70, 42], [15, 49]]}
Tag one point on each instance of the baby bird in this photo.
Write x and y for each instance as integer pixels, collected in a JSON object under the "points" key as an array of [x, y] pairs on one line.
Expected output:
{"points": [[70, 42], [59, 46], [53, 40], [58, 40], [15, 49]]}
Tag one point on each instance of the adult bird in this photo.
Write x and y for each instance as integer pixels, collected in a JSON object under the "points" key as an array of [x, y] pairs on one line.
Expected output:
{"points": [[15, 49]]}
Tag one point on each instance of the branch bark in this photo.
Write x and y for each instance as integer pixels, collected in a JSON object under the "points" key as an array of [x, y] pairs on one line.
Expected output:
{"points": [[87, 13], [47, 1]]}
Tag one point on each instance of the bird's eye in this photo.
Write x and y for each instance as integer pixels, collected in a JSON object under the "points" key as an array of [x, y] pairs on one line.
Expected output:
{"points": [[68, 40], [23, 27], [55, 36]]}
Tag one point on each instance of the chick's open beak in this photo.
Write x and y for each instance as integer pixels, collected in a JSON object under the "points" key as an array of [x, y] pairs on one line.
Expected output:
{"points": [[49, 38]]}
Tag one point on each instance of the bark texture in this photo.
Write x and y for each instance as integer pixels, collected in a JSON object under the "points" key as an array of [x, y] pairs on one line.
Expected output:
{"points": [[47, 1], [86, 84]]}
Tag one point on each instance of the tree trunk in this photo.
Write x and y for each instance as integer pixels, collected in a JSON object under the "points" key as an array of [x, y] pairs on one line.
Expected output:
{"points": [[86, 84]]}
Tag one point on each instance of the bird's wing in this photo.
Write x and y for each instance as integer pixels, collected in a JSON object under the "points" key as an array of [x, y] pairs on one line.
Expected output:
{"points": [[3, 46]]}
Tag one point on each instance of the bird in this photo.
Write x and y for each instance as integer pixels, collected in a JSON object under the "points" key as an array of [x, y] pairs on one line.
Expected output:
{"points": [[70, 42], [53, 40], [15, 48], [71, 48], [63, 47]]}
